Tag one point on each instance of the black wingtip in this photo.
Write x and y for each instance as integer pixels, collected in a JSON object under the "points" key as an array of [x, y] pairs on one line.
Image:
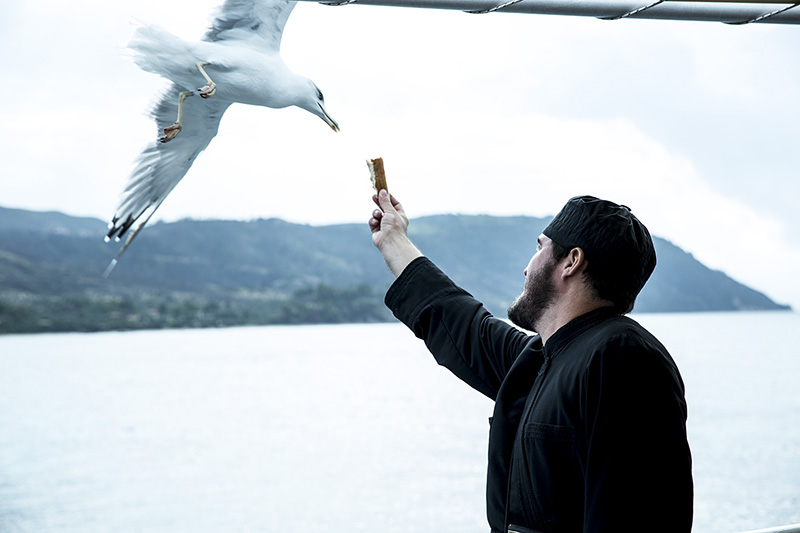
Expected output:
{"points": [[117, 231]]}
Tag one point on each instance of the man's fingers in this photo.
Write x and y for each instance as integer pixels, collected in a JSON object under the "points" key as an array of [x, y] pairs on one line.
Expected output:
{"points": [[397, 206], [375, 221]]}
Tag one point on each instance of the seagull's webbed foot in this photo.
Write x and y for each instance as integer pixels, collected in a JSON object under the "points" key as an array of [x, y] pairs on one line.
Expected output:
{"points": [[170, 132], [207, 91]]}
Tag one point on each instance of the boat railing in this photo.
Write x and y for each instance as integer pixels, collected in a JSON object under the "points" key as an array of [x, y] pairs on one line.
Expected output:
{"points": [[782, 529], [729, 12]]}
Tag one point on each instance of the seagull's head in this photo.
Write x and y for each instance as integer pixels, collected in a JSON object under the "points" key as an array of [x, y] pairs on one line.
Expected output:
{"points": [[313, 101]]}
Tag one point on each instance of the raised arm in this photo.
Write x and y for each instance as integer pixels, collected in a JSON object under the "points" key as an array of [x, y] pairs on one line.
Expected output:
{"points": [[460, 333], [389, 226]]}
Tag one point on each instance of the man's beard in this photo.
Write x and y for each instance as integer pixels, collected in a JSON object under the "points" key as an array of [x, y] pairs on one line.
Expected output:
{"points": [[529, 307]]}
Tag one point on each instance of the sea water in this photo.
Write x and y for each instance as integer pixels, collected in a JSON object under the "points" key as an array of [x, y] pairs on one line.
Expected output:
{"points": [[348, 428]]}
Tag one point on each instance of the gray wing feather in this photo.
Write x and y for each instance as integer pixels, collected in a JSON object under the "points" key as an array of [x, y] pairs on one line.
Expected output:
{"points": [[161, 166], [263, 20]]}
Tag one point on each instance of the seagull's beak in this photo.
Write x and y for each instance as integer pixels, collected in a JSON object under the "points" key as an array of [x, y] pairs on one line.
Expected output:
{"points": [[328, 120]]}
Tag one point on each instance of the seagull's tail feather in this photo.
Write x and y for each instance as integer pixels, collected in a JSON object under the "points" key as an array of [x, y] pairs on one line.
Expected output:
{"points": [[158, 51]]}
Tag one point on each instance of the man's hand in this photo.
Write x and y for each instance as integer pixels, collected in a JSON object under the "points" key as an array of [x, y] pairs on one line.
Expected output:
{"points": [[388, 223], [389, 226]]}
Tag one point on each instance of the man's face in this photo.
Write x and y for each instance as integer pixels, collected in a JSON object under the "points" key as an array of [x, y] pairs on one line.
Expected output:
{"points": [[539, 290]]}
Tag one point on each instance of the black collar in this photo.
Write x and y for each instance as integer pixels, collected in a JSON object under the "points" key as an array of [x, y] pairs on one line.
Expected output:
{"points": [[575, 327]]}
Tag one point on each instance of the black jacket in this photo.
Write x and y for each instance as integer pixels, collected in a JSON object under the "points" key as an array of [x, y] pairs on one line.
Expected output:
{"points": [[588, 432]]}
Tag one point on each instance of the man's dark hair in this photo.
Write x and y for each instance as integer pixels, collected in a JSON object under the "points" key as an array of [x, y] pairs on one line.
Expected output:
{"points": [[619, 251], [621, 295]]}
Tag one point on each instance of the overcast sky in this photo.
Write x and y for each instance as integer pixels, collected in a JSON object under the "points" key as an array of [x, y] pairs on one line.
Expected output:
{"points": [[693, 125]]}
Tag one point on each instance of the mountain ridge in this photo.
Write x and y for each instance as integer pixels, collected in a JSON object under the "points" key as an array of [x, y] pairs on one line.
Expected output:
{"points": [[197, 273]]}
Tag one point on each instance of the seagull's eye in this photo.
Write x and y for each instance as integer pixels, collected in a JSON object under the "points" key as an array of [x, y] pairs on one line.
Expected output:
{"points": [[319, 95]]}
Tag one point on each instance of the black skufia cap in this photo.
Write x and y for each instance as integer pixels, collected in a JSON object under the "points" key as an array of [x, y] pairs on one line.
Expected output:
{"points": [[617, 245]]}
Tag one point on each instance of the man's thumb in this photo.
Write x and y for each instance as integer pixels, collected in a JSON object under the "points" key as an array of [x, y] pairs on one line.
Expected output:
{"points": [[384, 201]]}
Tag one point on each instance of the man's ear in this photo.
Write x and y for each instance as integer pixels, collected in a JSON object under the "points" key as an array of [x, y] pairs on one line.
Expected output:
{"points": [[574, 263]]}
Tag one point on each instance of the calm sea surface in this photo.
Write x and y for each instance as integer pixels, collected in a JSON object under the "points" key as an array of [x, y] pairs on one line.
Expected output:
{"points": [[342, 429]]}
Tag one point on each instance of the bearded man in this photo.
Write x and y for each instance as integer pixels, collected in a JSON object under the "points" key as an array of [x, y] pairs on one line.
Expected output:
{"points": [[588, 432]]}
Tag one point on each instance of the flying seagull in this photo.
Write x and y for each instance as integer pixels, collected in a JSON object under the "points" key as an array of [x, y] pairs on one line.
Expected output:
{"points": [[238, 60]]}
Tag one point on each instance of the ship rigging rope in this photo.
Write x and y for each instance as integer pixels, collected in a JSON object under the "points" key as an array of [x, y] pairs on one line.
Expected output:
{"points": [[495, 8], [633, 11], [765, 15]]}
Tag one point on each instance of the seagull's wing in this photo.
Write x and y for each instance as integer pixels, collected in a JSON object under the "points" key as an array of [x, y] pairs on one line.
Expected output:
{"points": [[162, 165], [251, 20]]}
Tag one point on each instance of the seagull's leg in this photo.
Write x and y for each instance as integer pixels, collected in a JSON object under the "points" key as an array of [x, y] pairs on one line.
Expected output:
{"points": [[209, 89], [170, 132]]}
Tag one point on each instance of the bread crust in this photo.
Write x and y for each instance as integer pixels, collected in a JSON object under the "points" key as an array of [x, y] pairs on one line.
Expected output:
{"points": [[377, 174]]}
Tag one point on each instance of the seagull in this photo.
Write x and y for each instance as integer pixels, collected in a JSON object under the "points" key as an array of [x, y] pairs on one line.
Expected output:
{"points": [[239, 60]]}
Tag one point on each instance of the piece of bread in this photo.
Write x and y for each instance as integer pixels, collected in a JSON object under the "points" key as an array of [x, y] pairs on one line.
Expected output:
{"points": [[377, 175]]}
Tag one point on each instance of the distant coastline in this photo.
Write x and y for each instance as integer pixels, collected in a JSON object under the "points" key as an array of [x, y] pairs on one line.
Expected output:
{"points": [[228, 273]]}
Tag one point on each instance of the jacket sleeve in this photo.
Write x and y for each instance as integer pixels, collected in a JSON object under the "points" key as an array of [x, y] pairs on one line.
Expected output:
{"points": [[460, 333], [638, 466]]}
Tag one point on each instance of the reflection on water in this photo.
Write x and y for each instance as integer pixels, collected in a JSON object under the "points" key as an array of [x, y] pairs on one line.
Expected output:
{"points": [[341, 428]]}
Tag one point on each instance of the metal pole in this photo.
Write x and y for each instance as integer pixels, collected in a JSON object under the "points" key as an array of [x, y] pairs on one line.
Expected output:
{"points": [[783, 529], [735, 12]]}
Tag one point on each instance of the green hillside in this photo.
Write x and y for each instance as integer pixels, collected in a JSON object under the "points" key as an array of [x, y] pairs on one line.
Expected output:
{"points": [[219, 273]]}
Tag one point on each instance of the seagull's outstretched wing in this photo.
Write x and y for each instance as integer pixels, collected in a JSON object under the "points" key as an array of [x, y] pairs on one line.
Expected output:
{"points": [[162, 165], [251, 20]]}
